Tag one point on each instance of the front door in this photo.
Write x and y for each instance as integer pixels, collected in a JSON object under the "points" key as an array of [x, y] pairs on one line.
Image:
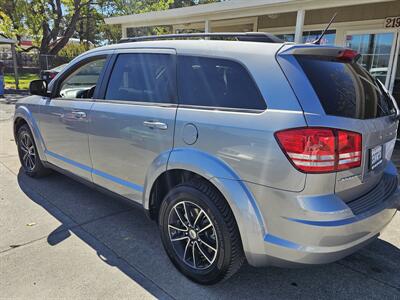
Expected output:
{"points": [[64, 118], [134, 123]]}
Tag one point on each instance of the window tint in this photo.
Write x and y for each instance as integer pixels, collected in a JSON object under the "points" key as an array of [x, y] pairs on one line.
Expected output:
{"points": [[217, 83], [346, 89], [82, 82], [143, 77]]}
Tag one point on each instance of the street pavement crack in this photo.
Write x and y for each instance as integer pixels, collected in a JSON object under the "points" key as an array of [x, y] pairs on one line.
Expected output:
{"points": [[5, 166]]}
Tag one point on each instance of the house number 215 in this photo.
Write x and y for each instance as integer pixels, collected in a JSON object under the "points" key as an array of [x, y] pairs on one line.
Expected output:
{"points": [[392, 22]]}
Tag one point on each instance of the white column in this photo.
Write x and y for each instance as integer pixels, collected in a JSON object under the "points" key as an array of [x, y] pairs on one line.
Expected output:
{"points": [[298, 35], [340, 39], [124, 32], [255, 25], [207, 26], [393, 67]]}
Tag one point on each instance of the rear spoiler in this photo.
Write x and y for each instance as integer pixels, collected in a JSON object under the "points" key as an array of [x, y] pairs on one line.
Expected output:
{"points": [[317, 50]]}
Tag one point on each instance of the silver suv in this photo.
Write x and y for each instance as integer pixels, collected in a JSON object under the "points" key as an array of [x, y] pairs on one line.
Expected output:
{"points": [[276, 153]]}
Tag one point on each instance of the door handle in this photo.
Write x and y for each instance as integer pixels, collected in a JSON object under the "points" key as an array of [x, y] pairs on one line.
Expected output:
{"points": [[155, 124], [79, 114]]}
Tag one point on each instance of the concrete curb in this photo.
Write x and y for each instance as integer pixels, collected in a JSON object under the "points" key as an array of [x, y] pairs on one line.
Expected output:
{"points": [[17, 92], [12, 98]]}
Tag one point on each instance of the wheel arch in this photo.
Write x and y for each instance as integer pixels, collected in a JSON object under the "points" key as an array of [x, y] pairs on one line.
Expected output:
{"points": [[18, 122], [181, 164], [22, 116], [187, 160]]}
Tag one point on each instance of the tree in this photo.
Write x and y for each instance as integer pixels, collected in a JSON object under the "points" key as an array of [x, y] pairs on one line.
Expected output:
{"points": [[89, 29], [184, 3], [128, 7], [12, 14], [54, 21], [50, 22]]}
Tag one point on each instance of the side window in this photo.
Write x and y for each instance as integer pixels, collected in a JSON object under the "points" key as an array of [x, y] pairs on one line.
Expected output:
{"points": [[143, 77], [218, 83], [82, 82]]}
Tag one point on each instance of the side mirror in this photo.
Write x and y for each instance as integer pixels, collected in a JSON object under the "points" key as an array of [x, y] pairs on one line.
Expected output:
{"points": [[38, 87]]}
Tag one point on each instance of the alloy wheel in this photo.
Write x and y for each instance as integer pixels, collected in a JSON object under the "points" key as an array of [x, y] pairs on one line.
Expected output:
{"points": [[28, 151], [192, 235]]}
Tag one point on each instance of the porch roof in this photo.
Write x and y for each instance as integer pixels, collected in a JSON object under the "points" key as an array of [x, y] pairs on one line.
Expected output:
{"points": [[227, 10]]}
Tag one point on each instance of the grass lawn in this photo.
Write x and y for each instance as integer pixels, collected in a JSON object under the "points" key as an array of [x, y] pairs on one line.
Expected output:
{"points": [[24, 80]]}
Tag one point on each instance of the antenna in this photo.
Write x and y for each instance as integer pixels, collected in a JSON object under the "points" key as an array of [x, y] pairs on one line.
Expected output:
{"points": [[318, 40]]}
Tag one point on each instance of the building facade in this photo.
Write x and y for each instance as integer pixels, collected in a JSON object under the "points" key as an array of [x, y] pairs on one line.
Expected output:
{"points": [[371, 27]]}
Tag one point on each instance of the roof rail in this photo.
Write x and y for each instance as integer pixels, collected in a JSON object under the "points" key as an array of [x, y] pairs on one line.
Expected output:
{"points": [[262, 37]]}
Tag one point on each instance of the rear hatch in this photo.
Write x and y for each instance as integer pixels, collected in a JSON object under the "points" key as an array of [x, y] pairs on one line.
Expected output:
{"points": [[335, 91]]}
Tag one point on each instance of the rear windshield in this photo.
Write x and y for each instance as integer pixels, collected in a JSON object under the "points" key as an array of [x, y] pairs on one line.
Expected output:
{"points": [[346, 89]]}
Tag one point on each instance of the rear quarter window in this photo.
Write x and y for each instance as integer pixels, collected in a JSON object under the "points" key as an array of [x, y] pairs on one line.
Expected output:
{"points": [[346, 89], [216, 82]]}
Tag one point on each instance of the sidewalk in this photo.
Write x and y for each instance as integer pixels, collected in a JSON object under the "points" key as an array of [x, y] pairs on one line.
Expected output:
{"points": [[61, 239], [13, 97]]}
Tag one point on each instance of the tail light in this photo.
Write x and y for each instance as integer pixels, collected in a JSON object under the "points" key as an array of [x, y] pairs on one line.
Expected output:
{"points": [[321, 150]]}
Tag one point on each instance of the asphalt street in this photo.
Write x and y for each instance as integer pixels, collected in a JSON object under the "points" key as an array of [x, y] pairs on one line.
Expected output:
{"points": [[61, 239]]}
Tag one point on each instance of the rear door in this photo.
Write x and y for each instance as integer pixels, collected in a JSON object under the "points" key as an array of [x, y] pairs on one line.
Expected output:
{"points": [[337, 92], [134, 121], [64, 117]]}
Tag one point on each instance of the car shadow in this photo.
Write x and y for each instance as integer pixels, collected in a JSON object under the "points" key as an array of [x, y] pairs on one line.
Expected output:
{"points": [[125, 238]]}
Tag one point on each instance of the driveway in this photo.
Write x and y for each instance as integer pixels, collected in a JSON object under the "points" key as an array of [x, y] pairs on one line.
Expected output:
{"points": [[61, 239]]}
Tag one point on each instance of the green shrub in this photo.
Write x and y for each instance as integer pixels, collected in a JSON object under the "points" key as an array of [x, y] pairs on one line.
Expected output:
{"points": [[71, 51]]}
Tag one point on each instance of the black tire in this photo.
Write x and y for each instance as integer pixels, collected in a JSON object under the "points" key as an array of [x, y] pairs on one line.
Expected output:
{"points": [[33, 167], [201, 195]]}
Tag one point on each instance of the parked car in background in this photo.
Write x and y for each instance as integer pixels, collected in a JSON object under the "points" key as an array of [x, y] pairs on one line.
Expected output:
{"points": [[48, 75], [258, 150]]}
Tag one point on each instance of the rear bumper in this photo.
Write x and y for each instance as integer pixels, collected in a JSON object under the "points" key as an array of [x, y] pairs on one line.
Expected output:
{"points": [[341, 238], [317, 237]]}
